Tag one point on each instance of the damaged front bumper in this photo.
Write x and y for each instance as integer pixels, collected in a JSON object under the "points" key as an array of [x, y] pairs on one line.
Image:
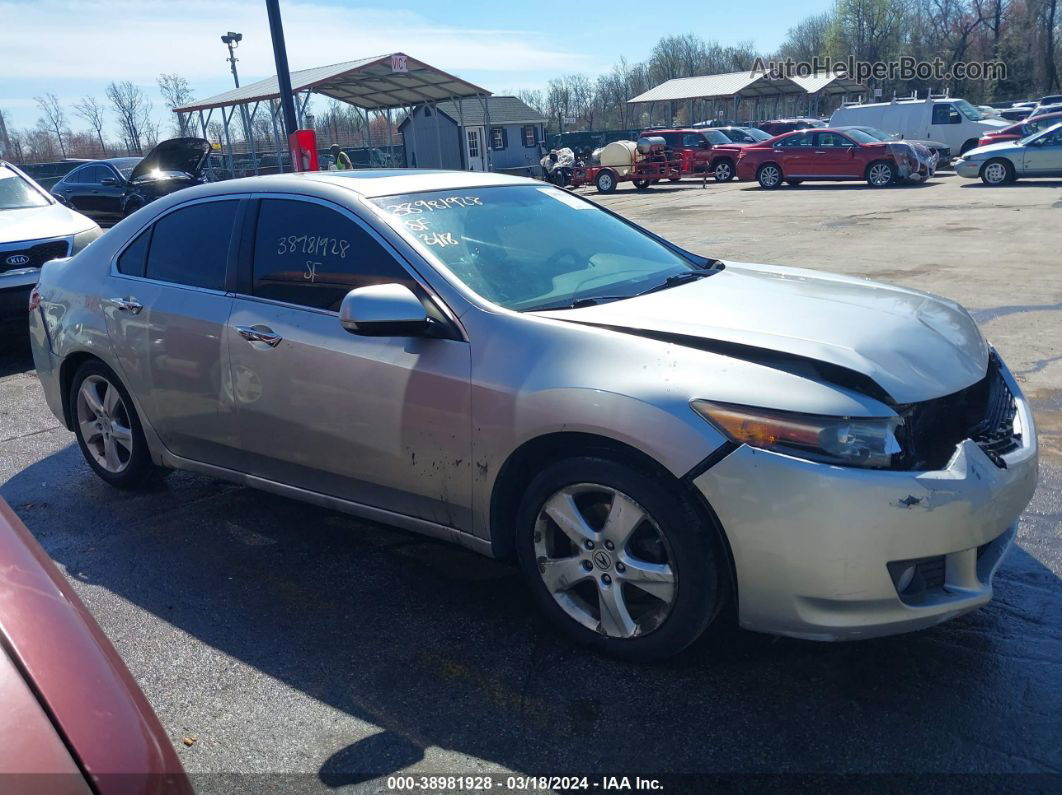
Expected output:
{"points": [[831, 553]]}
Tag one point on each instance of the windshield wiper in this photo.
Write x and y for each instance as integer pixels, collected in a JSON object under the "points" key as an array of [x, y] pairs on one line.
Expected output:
{"points": [[675, 281]]}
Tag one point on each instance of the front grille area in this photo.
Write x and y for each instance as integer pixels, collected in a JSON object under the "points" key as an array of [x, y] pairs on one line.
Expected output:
{"points": [[983, 412], [37, 254]]}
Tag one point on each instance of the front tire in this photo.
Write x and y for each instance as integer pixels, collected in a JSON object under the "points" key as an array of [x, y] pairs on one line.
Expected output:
{"points": [[997, 172], [881, 174], [769, 176], [107, 427], [723, 170], [606, 181], [619, 558]]}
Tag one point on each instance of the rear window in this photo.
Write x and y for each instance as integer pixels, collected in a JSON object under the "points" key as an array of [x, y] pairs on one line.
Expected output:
{"points": [[191, 245]]}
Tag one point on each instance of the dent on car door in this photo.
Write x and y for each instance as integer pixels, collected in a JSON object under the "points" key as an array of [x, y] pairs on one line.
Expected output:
{"points": [[382, 421], [166, 319]]}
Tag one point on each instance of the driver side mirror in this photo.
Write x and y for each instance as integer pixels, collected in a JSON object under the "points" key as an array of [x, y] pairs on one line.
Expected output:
{"points": [[384, 310]]}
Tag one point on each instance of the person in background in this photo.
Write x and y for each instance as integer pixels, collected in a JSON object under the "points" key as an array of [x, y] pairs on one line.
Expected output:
{"points": [[342, 160]]}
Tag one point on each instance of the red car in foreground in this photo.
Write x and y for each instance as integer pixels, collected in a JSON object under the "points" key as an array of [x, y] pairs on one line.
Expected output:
{"points": [[72, 719], [1020, 130], [830, 154]]}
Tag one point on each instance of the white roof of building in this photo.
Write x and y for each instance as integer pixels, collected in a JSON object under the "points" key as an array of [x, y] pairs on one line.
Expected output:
{"points": [[368, 83], [744, 84]]}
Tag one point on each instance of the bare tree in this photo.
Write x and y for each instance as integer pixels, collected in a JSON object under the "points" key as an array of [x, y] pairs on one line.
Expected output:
{"points": [[54, 117], [176, 91], [6, 149], [91, 110], [134, 111]]}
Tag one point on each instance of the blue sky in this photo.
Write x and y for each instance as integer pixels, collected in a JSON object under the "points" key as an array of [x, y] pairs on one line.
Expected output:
{"points": [[75, 47]]}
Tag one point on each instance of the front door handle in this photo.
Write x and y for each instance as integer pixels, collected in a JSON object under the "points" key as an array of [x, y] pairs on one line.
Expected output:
{"points": [[259, 334], [130, 305]]}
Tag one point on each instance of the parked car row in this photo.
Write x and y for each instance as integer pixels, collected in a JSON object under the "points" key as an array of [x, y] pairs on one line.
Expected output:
{"points": [[1036, 155]]}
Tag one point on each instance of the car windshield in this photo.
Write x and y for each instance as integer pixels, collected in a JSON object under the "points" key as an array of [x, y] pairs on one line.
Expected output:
{"points": [[880, 135], [16, 193], [758, 134], [1054, 128], [861, 137], [528, 248], [968, 110]]}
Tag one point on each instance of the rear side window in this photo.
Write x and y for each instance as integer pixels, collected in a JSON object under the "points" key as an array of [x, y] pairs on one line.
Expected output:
{"points": [[313, 256], [191, 245], [133, 261]]}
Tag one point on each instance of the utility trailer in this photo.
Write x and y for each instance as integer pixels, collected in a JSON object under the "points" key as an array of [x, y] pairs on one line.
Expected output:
{"points": [[648, 163]]}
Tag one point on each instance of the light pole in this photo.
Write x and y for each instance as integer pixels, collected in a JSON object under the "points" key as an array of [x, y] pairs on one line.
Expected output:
{"points": [[232, 41]]}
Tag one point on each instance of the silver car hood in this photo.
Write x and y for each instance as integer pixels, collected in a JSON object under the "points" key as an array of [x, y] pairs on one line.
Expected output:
{"points": [[34, 223], [913, 345]]}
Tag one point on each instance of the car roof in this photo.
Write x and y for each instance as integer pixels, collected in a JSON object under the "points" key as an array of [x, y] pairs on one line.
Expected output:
{"points": [[368, 183]]}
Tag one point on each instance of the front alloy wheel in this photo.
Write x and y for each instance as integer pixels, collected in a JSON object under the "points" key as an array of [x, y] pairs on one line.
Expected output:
{"points": [[769, 176], [724, 171], [604, 560], [620, 557], [880, 175]]}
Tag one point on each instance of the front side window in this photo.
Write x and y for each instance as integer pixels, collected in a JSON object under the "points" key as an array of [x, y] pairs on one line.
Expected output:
{"points": [[133, 261], [796, 141], [715, 138], [693, 141], [945, 113], [17, 194], [528, 248], [190, 246], [311, 255]]}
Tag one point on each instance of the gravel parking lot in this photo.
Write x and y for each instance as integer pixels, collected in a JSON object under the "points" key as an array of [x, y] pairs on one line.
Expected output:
{"points": [[276, 637]]}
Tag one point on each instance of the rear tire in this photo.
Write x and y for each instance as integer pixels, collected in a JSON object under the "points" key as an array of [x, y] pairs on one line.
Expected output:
{"points": [[641, 184], [643, 577], [107, 427], [769, 175], [998, 171]]}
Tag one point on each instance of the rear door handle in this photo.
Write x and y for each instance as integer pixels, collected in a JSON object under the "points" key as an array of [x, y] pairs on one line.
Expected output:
{"points": [[130, 305], [259, 334]]}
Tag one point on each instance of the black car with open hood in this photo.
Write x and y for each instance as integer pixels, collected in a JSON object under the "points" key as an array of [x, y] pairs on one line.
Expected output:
{"points": [[110, 189]]}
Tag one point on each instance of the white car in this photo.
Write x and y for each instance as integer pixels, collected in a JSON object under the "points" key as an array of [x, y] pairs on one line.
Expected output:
{"points": [[34, 228], [955, 122], [1037, 155]]}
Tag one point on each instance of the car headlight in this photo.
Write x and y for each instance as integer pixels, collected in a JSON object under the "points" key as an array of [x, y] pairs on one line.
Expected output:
{"points": [[849, 441], [82, 239]]}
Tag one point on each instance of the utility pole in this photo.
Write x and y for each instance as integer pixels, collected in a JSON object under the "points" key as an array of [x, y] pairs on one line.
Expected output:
{"points": [[232, 41], [280, 53]]}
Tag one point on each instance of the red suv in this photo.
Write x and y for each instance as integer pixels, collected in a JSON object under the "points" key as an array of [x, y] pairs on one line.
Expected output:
{"points": [[1020, 130], [829, 154], [696, 148]]}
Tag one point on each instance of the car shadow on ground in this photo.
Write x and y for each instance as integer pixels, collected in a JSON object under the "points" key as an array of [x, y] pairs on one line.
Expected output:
{"points": [[843, 186], [1025, 182], [437, 646]]}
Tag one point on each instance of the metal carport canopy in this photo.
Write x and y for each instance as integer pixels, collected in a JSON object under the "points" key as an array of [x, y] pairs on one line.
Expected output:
{"points": [[369, 83], [742, 84]]}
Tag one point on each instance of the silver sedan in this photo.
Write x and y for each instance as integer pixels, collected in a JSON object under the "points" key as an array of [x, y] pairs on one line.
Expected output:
{"points": [[1038, 155], [499, 363]]}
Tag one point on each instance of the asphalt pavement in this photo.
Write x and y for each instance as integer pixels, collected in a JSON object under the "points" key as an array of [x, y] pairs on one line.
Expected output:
{"points": [[273, 637]]}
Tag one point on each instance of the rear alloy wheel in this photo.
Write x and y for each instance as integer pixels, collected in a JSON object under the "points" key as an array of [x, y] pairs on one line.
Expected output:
{"points": [[881, 174], [769, 176], [107, 428], [997, 172], [606, 181], [724, 171], [618, 558]]}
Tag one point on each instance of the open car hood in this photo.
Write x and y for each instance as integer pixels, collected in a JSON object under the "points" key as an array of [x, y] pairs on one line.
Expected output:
{"points": [[895, 344], [184, 155]]}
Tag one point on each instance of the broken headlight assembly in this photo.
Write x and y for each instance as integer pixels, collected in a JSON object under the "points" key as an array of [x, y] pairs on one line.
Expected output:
{"points": [[848, 441]]}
